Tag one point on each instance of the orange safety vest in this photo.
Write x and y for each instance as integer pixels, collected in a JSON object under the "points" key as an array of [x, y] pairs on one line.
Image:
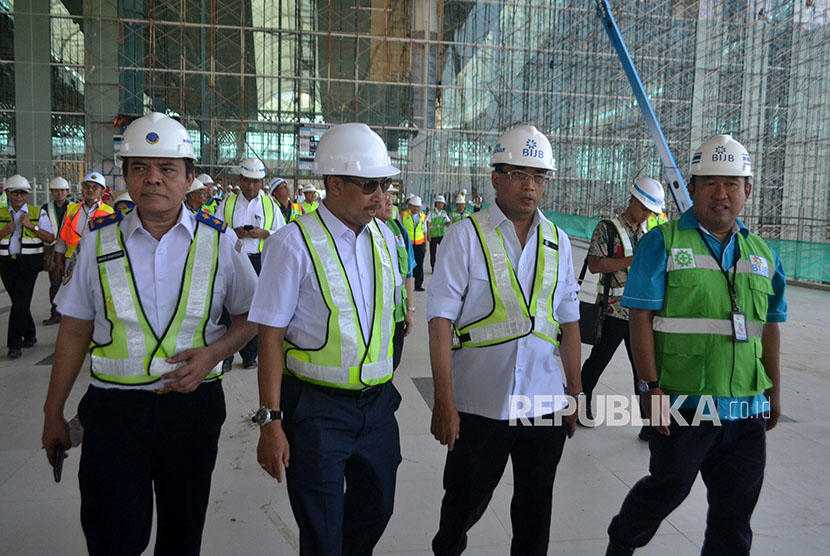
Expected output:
{"points": [[68, 233]]}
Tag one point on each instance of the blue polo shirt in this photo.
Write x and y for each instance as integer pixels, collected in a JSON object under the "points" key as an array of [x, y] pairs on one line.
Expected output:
{"points": [[645, 288]]}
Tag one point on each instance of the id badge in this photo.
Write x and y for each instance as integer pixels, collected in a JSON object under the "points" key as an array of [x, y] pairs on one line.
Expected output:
{"points": [[739, 327]]}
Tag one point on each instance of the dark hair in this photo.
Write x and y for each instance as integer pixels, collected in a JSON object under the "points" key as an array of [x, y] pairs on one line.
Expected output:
{"points": [[189, 166]]}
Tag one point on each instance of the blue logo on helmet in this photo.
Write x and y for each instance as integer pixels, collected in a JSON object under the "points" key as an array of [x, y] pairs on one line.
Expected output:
{"points": [[152, 138]]}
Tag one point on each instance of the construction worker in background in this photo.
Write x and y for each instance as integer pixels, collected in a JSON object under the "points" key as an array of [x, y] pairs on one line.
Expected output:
{"points": [[154, 408], [24, 229], [333, 350], [197, 196], [213, 201], [56, 211], [309, 198], [4, 199], [281, 192], [656, 219], [705, 298], [78, 215], [415, 223], [123, 202], [502, 291], [437, 223], [460, 210], [404, 310], [254, 216], [621, 234], [463, 195]]}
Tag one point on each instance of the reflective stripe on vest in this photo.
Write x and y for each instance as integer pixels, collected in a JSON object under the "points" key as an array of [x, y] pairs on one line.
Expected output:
{"points": [[268, 209], [401, 307], [459, 216], [415, 231], [53, 219], [438, 223], [655, 220], [627, 252], [30, 244], [512, 317], [345, 361], [69, 234], [135, 355]]}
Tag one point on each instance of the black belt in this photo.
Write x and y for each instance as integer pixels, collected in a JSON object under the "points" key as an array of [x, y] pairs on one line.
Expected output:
{"points": [[365, 392]]}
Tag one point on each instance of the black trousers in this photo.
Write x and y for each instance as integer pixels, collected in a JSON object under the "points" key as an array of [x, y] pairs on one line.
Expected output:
{"points": [[731, 459], [137, 443], [397, 345], [418, 271], [474, 468], [335, 438], [614, 331], [19, 275], [249, 350], [433, 250]]}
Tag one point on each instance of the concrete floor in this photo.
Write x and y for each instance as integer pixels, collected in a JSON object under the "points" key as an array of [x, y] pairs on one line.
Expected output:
{"points": [[249, 513]]}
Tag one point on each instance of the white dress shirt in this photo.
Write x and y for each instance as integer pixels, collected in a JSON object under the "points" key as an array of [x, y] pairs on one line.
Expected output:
{"points": [[80, 223], [251, 213], [157, 269], [288, 293], [485, 378], [15, 241]]}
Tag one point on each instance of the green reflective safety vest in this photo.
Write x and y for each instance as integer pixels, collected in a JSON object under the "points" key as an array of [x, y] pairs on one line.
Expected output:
{"points": [[401, 307], [309, 207], [438, 222], [459, 216], [30, 244], [628, 251], [4, 199], [345, 360], [512, 317], [136, 355], [655, 220], [269, 207], [694, 349]]}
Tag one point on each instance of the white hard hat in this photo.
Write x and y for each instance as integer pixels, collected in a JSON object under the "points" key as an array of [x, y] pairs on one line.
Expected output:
{"points": [[308, 188], [460, 199], [463, 191], [156, 136], [409, 196], [252, 168], [197, 185], [96, 177], [721, 155], [18, 183], [523, 145], [276, 182], [123, 197], [650, 193], [353, 150], [439, 199], [415, 201], [393, 189], [58, 183], [204, 178]]}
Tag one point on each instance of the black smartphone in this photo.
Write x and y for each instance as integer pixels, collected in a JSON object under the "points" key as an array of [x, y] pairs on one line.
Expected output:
{"points": [[247, 227], [57, 469]]}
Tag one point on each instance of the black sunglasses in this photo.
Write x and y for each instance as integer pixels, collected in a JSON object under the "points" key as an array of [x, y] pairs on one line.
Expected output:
{"points": [[369, 186]]}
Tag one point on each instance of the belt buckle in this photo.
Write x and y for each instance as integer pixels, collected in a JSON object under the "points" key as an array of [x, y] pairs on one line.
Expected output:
{"points": [[367, 391], [13, 257], [161, 391]]}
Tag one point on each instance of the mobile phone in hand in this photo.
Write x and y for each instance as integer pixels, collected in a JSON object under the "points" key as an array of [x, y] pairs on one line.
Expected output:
{"points": [[57, 469], [247, 227]]}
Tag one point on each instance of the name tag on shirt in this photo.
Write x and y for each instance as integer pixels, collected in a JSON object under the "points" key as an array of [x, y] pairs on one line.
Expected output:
{"points": [[399, 241], [238, 246], [110, 256], [549, 243]]}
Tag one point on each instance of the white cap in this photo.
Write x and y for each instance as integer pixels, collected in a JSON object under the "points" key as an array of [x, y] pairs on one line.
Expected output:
{"points": [[96, 177], [197, 185], [415, 201], [308, 188], [156, 136], [721, 155], [58, 183], [460, 199], [439, 199], [353, 149], [17, 183], [204, 178], [649, 192], [523, 145]]}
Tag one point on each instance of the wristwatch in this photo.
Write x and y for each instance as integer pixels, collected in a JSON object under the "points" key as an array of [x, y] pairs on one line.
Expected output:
{"points": [[411, 309], [36, 228], [644, 387], [263, 416]]}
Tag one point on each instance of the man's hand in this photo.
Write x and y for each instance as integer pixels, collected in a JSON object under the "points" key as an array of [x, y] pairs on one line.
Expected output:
{"points": [[661, 421], [774, 409], [258, 233], [408, 323], [9, 229], [445, 424], [272, 451], [241, 232], [55, 431], [198, 363], [25, 222]]}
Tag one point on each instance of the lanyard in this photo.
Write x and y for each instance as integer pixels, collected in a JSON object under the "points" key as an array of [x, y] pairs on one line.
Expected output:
{"points": [[730, 284]]}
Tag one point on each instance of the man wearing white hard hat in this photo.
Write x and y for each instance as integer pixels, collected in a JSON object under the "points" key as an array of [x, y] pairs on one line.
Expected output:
{"points": [[24, 229], [705, 297], [123, 202], [254, 216], [460, 210], [213, 200], [309, 203], [146, 292], [502, 292], [79, 214], [610, 254], [415, 223], [437, 223], [325, 370], [197, 196], [281, 192], [56, 211]]}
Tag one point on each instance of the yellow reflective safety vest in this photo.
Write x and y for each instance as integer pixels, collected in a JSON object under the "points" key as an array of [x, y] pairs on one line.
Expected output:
{"points": [[512, 317], [415, 230], [295, 210], [30, 244], [269, 207], [345, 360], [309, 207], [136, 355], [655, 220]]}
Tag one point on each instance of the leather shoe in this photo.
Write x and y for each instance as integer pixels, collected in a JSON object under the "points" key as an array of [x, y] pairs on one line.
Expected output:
{"points": [[54, 319], [15, 353], [29, 343], [227, 365], [249, 364], [419, 289]]}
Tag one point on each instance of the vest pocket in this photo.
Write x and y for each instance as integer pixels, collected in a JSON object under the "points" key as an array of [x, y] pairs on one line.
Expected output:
{"points": [[688, 293], [682, 366], [761, 289]]}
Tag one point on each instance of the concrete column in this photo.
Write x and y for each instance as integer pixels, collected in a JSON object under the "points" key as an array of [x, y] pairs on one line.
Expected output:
{"points": [[32, 84]]}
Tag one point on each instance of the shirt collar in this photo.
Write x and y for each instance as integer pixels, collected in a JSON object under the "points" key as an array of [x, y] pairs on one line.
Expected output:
{"points": [[131, 223], [642, 227], [688, 221], [497, 217], [24, 208], [335, 226]]}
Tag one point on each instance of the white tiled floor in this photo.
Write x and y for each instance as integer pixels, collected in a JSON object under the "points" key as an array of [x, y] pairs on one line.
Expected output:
{"points": [[249, 513]]}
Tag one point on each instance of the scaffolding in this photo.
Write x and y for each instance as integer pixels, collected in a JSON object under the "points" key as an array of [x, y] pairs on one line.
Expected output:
{"points": [[440, 79]]}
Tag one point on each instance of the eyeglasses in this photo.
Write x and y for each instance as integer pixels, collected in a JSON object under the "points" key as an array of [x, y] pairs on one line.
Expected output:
{"points": [[370, 186], [90, 186], [519, 176]]}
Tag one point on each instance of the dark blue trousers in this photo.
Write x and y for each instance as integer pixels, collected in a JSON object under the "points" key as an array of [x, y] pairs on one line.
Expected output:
{"points": [[249, 350], [335, 439], [730, 458]]}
